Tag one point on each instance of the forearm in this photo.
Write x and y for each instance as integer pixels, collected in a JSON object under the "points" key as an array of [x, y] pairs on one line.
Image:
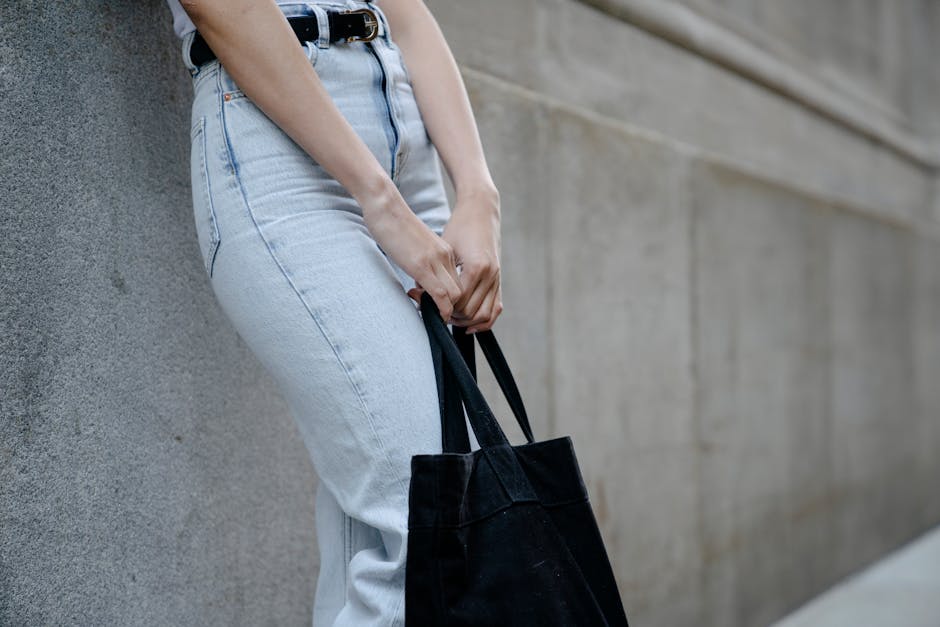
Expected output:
{"points": [[442, 97], [256, 45]]}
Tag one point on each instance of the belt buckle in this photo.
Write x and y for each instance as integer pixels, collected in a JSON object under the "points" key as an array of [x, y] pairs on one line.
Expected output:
{"points": [[371, 20]]}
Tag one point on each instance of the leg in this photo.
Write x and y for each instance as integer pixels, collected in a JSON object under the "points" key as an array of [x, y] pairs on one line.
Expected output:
{"points": [[332, 525], [322, 308], [310, 292]]}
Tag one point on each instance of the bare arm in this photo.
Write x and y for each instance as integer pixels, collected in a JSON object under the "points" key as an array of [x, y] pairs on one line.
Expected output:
{"points": [[441, 95], [445, 107], [254, 42]]}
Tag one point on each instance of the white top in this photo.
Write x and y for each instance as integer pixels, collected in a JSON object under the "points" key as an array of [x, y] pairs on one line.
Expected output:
{"points": [[182, 24]]}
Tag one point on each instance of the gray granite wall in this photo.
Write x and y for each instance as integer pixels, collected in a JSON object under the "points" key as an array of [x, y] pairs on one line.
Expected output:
{"points": [[733, 261], [721, 277], [149, 473]]}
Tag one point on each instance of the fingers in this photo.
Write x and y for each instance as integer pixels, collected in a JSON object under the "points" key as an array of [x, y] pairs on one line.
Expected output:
{"points": [[479, 278], [471, 313], [439, 278], [449, 286], [491, 308], [469, 296]]}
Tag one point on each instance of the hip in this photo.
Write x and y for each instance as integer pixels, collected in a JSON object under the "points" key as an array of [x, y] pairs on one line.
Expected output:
{"points": [[366, 80], [243, 164]]}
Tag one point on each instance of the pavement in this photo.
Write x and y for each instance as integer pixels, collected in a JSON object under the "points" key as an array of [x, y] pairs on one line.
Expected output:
{"points": [[900, 590]]}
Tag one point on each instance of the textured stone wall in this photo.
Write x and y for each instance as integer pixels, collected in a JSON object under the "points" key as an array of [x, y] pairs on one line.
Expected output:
{"points": [[735, 266], [149, 472], [721, 278]]}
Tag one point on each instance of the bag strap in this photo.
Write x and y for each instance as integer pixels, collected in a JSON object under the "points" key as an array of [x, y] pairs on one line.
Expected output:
{"points": [[453, 422], [496, 359], [494, 447], [453, 373]]}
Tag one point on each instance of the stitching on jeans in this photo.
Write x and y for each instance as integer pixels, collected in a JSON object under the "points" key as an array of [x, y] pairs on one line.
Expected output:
{"points": [[349, 538], [215, 237], [394, 125], [347, 552], [365, 407], [402, 149], [401, 603], [208, 70]]}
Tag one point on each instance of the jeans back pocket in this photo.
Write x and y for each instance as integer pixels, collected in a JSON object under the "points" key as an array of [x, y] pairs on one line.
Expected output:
{"points": [[207, 228]]}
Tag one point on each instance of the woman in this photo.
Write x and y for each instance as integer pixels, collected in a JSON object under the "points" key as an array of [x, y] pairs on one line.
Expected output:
{"points": [[320, 209]]}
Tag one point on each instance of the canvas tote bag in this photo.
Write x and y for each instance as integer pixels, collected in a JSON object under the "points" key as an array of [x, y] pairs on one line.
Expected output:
{"points": [[503, 535]]}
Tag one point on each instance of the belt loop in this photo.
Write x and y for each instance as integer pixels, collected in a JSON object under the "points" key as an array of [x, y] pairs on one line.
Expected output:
{"points": [[323, 25], [379, 15], [187, 60]]}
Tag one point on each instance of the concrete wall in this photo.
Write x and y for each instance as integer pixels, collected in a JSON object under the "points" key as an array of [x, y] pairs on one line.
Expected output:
{"points": [[721, 268], [149, 472], [735, 261]]}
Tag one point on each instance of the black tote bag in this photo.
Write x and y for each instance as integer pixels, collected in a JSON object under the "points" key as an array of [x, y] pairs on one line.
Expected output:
{"points": [[503, 535]]}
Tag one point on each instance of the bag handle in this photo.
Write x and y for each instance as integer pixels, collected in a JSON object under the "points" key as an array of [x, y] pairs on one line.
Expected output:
{"points": [[453, 425], [454, 375], [499, 366]]}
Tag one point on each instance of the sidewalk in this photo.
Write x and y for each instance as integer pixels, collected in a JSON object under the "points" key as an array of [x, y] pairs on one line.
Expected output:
{"points": [[901, 590]]}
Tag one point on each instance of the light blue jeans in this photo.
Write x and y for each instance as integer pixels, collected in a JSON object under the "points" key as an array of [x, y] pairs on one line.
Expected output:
{"points": [[294, 268]]}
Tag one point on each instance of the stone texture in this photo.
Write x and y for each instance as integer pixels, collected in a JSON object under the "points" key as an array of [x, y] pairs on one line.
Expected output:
{"points": [[874, 426], [621, 354], [926, 285], [761, 320], [813, 462], [856, 45], [149, 472], [574, 53]]}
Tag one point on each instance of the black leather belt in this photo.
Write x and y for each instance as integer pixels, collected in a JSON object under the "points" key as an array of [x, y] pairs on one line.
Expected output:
{"points": [[352, 25]]}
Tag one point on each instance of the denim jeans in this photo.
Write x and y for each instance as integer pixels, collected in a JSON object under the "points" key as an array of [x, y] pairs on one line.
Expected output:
{"points": [[294, 268]]}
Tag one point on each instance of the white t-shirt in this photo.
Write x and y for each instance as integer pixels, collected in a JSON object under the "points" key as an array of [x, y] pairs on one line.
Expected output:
{"points": [[182, 24]]}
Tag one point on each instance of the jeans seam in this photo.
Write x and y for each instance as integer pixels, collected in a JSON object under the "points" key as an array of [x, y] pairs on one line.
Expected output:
{"points": [[395, 108], [214, 235], [300, 297], [347, 552], [401, 603], [391, 114]]}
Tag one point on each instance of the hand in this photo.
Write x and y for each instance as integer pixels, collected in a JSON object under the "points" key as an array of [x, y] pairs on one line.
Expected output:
{"points": [[418, 250], [473, 232]]}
